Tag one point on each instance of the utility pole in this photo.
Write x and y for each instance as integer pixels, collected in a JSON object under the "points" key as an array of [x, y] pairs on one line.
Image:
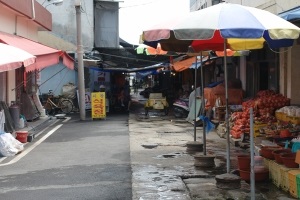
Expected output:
{"points": [[81, 87]]}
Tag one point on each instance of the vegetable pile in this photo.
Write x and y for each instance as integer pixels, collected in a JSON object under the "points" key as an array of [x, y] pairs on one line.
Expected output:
{"points": [[264, 106]]}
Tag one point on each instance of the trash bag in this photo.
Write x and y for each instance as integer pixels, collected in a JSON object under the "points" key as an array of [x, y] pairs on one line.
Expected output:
{"points": [[69, 91], [9, 146]]}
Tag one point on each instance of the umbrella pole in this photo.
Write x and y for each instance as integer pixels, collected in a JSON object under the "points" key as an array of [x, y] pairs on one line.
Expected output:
{"points": [[252, 174], [195, 100], [227, 113], [203, 105]]}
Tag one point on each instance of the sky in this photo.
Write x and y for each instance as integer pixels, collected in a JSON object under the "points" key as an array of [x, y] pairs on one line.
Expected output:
{"points": [[138, 15]]}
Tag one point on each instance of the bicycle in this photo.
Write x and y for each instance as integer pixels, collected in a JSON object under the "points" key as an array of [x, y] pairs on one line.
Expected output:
{"points": [[63, 104]]}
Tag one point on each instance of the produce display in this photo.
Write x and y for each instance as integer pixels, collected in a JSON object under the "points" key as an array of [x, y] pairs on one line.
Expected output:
{"points": [[264, 106]]}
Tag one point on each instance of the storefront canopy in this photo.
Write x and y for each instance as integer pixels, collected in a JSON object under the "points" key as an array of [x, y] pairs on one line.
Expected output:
{"points": [[45, 56], [12, 58], [292, 14]]}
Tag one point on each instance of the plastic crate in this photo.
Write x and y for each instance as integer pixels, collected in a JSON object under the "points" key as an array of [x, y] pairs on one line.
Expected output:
{"points": [[298, 184], [275, 173], [284, 173], [293, 182], [266, 163]]}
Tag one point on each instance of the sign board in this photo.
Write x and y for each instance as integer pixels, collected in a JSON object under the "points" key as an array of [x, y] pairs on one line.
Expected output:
{"points": [[98, 105], [87, 98], [100, 78]]}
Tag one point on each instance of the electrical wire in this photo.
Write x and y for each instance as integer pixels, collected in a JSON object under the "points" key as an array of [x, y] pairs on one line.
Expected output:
{"points": [[83, 10], [137, 59]]}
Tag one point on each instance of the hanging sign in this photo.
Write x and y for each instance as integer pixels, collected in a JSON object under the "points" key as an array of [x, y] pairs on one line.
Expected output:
{"points": [[98, 105]]}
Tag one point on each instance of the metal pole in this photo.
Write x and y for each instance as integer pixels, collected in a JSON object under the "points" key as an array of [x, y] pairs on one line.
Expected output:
{"points": [[81, 86], [195, 100], [252, 177], [203, 104], [227, 112]]}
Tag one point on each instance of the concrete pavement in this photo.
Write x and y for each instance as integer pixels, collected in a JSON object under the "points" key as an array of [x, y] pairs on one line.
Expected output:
{"points": [[162, 168]]}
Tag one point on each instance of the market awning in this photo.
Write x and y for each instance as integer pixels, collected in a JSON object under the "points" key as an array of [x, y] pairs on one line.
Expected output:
{"points": [[12, 58], [45, 56], [183, 64], [291, 14]]}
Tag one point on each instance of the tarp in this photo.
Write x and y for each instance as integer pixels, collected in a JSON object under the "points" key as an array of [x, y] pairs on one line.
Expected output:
{"points": [[183, 64], [291, 14], [191, 63]]}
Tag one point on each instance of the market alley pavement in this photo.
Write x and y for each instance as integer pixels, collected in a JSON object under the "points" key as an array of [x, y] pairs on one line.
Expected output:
{"points": [[162, 169]]}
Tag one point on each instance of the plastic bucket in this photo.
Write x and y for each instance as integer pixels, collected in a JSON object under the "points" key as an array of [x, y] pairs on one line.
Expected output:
{"points": [[244, 161], [22, 136]]}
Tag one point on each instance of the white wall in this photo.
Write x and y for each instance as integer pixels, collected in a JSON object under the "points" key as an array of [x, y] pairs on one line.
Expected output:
{"points": [[64, 21]]}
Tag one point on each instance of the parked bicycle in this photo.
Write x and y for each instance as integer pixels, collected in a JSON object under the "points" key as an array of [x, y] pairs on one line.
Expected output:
{"points": [[62, 104]]}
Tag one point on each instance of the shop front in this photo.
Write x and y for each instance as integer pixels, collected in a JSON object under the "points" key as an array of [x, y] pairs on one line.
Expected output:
{"points": [[26, 77]]}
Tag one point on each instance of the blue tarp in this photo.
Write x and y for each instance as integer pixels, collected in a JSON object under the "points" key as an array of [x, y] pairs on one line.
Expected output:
{"points": [[146, 73], [291, 14]]}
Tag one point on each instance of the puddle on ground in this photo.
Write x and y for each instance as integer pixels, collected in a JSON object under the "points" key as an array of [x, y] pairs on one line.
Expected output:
{"points": [[157, 183], [149, 146], [170, 155]]}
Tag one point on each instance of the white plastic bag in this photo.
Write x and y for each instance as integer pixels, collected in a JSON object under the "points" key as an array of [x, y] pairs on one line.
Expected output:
{"points": [[69, 91], [9, 146]]}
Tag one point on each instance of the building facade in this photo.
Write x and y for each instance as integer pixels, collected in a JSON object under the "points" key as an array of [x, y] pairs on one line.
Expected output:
{"points": [[21, 21]]}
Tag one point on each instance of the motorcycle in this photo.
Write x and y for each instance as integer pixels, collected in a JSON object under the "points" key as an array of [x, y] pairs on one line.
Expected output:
{"points": [[181, 108]]}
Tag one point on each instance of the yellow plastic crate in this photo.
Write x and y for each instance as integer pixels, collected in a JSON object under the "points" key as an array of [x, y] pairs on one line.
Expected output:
{"points": [[284, 173], [293, 182], [275, 173], [267, 163]]}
